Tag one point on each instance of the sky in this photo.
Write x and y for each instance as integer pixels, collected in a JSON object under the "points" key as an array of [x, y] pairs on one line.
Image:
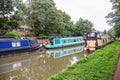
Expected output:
{"points": [[93, 10]]}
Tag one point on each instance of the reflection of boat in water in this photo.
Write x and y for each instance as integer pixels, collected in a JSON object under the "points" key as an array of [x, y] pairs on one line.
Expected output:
{"points": [[65, 51], [8, 67], [66, 41]]}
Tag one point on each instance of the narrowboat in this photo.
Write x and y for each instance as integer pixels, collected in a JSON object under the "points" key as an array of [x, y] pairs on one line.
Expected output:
{"points": [[12, 45], [95, 40], [62, 42], [65, 51]]}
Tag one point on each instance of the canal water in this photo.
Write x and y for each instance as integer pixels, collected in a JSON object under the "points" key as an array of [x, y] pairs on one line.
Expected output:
{"points": [[38, 65]]}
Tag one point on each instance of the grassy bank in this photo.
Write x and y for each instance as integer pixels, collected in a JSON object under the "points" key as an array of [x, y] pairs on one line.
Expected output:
{"points": [[99, 65]]}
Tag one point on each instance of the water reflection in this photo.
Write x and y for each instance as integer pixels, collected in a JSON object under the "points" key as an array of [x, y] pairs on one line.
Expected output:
{"points": [[65, 51], [8, 67], [38, 65]]}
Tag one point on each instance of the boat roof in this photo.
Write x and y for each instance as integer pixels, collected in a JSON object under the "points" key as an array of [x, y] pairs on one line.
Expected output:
{"points": [[70, 37], [2, 37]]}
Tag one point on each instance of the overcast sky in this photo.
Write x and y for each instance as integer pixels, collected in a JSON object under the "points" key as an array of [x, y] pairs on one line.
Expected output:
{"points": [[93, 10]]}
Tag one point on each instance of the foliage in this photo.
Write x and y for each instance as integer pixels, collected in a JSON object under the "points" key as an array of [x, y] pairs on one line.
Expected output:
{"points": [[111, 32], [30, 34], [39, 15], [7, 25], [42, 16], [6, 7], [105, 32], [97, 66], [83, 26], [46, 19], [15, 34], [20, 14], [114, 17], [42, 36]]}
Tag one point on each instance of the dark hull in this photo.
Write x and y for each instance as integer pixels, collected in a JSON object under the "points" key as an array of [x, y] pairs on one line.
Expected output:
{"points": [[19, 51], [33, 45]]}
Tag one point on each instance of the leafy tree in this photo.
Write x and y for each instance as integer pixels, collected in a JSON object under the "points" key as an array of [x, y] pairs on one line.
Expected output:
{"points": [[7, 25], [66, 26], [6, 7], [111, 32], [83, 26], [21, 12], [39, 15], [113, 18], [46, 19], [105, 32], [6, 11]]}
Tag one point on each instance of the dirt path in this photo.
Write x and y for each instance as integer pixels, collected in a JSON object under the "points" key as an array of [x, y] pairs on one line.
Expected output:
{"points": [[116, 75]]}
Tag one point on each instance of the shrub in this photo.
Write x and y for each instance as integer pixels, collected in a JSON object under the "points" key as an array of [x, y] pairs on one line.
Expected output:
{"points": [[15, 34], [42, 36]]}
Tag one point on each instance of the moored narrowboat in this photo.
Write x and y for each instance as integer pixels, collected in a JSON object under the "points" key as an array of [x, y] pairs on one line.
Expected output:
{"points": [[62, 42], [95, 40], [9, 45]]}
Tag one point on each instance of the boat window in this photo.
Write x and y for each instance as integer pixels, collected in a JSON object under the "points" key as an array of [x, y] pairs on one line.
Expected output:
{"points": [[74, 40], [69, 41], [91, 34], [64, 41], [57, 41], [98, 36]]}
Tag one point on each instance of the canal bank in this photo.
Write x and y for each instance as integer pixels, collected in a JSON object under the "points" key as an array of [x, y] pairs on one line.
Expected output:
{"points": [[100, 65]]}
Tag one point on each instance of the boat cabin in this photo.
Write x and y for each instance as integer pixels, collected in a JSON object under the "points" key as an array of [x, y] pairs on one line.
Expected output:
{"points": [[95, 40], [67, 41]]}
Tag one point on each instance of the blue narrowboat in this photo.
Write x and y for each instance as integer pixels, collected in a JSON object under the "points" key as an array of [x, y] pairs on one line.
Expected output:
{"points": [[10, 44], [62, 42]]}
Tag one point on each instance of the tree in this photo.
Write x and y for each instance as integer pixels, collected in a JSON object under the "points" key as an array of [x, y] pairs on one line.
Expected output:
{"points": [[111, 32], [105, 32], [83, 26], [40, 13], [114, 17], [66, 27], [7, 23], [6, 7], [46, 19]]}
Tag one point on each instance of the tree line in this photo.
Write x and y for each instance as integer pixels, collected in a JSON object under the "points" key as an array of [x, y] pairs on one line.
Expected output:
{"points": [[42, 16]]}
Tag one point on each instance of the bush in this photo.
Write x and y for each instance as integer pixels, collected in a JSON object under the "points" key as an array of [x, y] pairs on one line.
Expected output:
{"points": [[42, 36], [15, 34]]}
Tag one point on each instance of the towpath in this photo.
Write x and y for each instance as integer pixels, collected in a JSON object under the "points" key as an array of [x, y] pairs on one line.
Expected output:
{"points": [[116, 75]]}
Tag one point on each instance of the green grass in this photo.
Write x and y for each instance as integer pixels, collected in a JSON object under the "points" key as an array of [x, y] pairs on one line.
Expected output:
{"points": [[99, 65]]}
